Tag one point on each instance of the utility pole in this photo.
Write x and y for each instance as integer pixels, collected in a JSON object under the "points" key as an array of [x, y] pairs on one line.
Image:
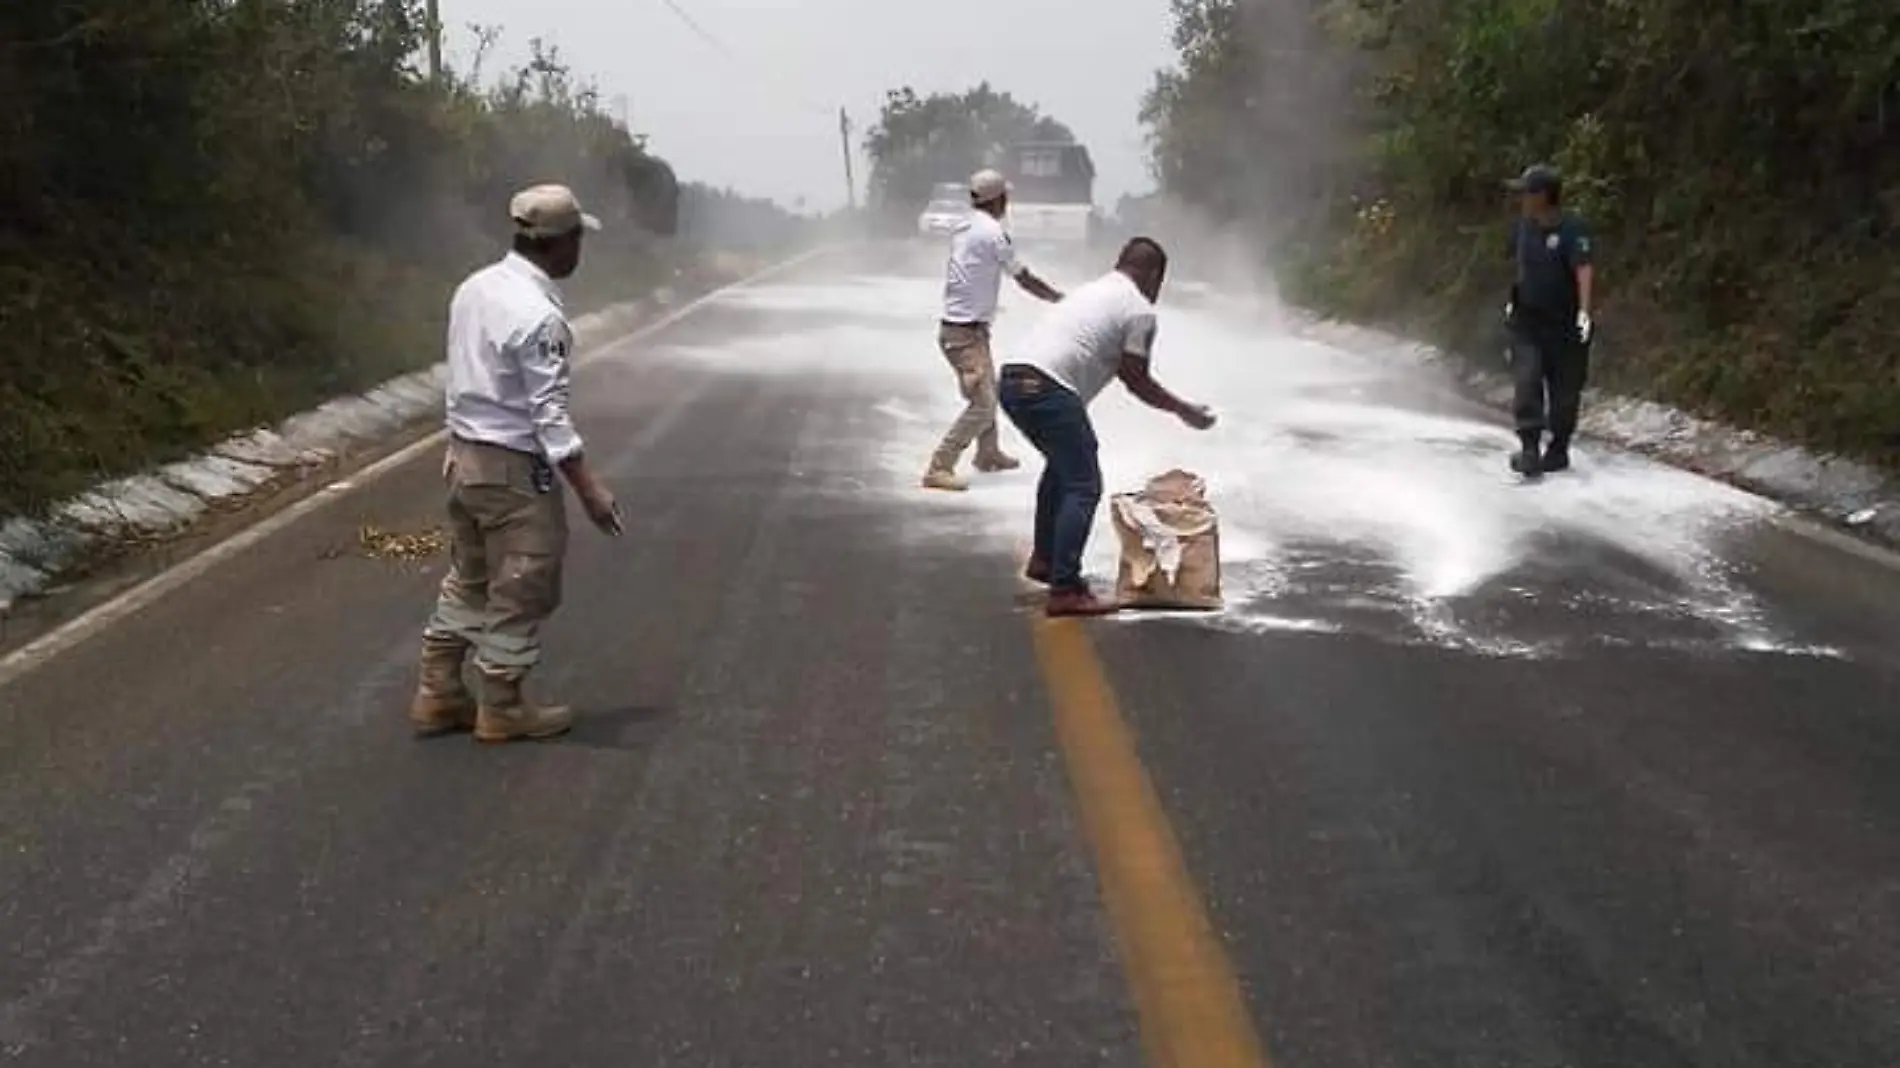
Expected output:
{"points": [[435, 40], [844, 138]]}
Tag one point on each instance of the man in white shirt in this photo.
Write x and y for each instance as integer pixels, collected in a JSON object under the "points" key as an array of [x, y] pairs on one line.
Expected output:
{"points": [[980, 255], [509, 362], [1105, 330]]}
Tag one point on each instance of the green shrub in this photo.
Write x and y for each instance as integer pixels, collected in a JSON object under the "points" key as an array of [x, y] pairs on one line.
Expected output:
{"points": [[232, 210], [1740, 163]]}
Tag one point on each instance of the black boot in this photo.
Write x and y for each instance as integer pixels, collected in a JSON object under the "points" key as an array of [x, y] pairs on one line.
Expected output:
{"points": [[1526, 461], [1557, 457]]}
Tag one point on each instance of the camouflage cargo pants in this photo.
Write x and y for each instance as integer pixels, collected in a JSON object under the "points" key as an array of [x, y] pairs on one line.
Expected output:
{"points": [[968, 350], [508, 539]]}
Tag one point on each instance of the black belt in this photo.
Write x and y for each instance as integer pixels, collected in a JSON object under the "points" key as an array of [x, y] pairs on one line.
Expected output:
{"points": [[1033, 379], [964, 326]]}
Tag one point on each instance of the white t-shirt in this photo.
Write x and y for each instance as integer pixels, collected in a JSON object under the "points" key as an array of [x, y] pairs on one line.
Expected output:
{"points": [[1081, 341], [980, 255]]}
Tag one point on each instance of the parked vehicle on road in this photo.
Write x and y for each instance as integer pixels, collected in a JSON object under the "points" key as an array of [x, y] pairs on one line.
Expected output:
{"points": [[949, 203], [1053, 202]]}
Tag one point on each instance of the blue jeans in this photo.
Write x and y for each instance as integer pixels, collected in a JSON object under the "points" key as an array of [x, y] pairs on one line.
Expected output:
{"points": [[1056, 422]]}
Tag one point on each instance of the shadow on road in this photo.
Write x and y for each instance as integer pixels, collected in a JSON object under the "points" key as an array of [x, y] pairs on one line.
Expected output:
{"points": [[632, 727]]}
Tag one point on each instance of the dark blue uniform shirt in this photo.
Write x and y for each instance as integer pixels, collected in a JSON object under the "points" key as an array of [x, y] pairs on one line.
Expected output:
{"points": [[1547, 259]]}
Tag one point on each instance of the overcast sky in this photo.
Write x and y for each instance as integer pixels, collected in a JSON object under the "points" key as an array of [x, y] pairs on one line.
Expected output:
{"points": [[765, 123]]}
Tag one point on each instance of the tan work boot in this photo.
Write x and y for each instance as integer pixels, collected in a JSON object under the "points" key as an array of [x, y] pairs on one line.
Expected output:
{"points": [[506, 715], [442, 703], [939, 478], [997, 461]]}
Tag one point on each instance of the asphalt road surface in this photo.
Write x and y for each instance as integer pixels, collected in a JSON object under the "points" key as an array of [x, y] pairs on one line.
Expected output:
{"points": [[1604, 771]]}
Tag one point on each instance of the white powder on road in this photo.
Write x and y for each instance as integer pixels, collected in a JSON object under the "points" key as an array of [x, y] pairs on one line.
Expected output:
{"points": [[1325, 463]]}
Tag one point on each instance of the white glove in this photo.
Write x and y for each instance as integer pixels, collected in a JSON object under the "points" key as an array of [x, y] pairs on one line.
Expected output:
{"points": [[1583, 327]]}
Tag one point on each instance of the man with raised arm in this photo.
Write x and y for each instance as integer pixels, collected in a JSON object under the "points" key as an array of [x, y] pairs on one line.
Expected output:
{"points": [[980, 255], [1101, 332]]}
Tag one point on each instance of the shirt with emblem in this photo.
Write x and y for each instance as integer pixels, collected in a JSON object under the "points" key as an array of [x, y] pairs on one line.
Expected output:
{"points": [[509, 361], [1547, 258]]}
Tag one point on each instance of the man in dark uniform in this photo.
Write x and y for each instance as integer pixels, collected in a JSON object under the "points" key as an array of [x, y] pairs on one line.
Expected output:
{"points": [[1549, 320]]}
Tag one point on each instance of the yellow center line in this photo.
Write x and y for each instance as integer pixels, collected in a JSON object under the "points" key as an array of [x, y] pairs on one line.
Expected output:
{"points": [[1193, 1014]]}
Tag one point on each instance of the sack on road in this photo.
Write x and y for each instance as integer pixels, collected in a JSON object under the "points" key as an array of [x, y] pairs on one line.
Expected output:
{"points": [[1170, 544]]}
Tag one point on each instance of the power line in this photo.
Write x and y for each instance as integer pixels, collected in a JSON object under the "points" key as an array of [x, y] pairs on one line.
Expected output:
{"points": [[754, 70], [713, 40], [693, 24]]}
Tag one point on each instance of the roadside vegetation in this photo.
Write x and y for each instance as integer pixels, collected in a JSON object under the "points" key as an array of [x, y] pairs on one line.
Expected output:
{"points": [[724, 219], [1740, 164], [219, 213]]}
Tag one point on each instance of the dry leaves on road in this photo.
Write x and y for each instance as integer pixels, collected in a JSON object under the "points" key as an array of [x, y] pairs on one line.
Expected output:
{"points": [[399, 545]]}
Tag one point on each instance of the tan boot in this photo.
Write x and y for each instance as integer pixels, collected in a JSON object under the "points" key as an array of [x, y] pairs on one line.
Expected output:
{"points": [[990, 463], [939, 478], [506, 715], [442, 703]]}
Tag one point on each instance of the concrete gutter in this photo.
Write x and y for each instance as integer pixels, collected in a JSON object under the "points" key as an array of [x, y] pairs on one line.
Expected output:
{"points": [[142, 514], [1844, 494], [128, 542]]}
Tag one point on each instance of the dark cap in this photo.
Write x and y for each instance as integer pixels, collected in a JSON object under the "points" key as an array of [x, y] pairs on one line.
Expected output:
{"points": [[1537, 178]]}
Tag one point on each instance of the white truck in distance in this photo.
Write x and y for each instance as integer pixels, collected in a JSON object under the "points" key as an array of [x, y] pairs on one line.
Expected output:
{"points": [[1052, 202], [1049, 224]]}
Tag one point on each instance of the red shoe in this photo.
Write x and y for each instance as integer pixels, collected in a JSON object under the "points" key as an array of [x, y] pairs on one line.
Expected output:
{"points": [[1078, 603], [1037, 571]]}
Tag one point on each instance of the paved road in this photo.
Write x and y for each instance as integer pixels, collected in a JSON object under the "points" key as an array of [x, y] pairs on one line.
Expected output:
{"points": [[1596, 773]]}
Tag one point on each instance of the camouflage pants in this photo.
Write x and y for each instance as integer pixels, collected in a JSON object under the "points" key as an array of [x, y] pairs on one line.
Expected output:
{"points": [[508, 539], [968, 350]]}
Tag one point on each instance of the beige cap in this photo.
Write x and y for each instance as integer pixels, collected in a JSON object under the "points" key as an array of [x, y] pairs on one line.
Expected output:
{"points": [[549, 211], [986, 185]]}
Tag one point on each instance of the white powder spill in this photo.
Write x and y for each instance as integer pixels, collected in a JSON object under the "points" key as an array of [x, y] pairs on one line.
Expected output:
{"points": [[1353, 497]]}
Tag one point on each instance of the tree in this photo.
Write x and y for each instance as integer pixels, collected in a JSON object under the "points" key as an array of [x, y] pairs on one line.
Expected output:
{"points": [[1740, 163], [919, 141], [725, 219], [218, 211], [1252, 124]]}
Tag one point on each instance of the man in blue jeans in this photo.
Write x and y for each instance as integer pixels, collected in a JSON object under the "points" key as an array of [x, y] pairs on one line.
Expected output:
{"points": [[1103, 331]]}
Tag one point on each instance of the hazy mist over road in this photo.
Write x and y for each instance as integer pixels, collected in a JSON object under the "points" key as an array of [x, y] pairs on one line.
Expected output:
{"points": [[761, 116]]}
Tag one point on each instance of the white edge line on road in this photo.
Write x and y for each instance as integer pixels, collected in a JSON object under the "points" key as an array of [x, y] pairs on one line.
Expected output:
{"points": [[100, 616]]}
